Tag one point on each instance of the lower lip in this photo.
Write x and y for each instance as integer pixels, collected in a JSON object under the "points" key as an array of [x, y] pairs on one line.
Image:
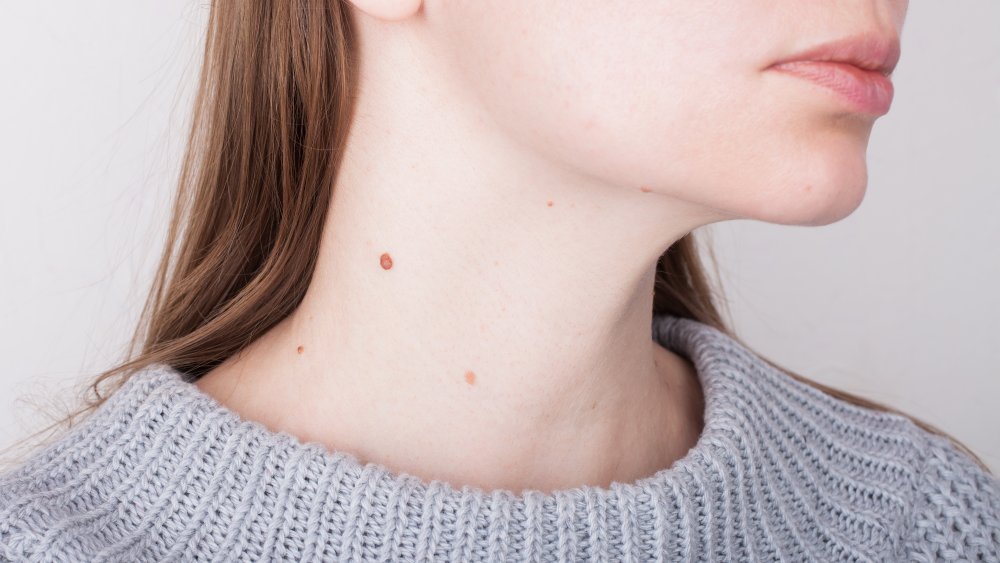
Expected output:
{"points": [[867, 91]]}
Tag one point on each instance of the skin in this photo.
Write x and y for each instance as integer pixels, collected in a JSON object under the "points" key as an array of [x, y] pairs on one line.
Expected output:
{"points": [[524, 164]]}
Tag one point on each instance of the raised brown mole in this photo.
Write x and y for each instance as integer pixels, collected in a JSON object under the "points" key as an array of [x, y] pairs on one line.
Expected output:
{"points": [[385, 260], [470, 377], [300, 349], [549, 203], [644, 189]]}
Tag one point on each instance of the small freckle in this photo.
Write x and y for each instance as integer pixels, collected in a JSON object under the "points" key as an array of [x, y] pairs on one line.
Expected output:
{"points": [[385, 261], [549, 203], [644, 189], [470, 378], [300, 349]]}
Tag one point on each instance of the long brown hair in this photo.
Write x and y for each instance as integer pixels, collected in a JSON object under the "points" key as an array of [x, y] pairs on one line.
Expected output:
{"points": [[272, 111]]}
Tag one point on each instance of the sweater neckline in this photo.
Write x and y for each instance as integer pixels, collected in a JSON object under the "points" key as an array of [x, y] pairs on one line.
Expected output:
{"points": [[219, 471], [684, 336], [681, 335]]}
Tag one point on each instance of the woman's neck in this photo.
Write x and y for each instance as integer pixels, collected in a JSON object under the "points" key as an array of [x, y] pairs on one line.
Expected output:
{"points": [[508, 344]]}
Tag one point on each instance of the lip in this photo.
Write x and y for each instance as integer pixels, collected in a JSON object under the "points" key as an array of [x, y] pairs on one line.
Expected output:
{"points": [[858, 68]]}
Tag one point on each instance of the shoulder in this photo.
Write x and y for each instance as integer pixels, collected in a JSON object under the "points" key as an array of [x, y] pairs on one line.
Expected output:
{"points": [[68, 494], [955, 510], [930, 500]]}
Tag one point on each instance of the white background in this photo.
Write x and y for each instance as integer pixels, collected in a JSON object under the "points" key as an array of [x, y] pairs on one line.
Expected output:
{"points": [[897, 302]]}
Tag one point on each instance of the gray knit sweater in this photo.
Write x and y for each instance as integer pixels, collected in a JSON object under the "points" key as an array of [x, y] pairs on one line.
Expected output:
{"points": [[782, 472]]}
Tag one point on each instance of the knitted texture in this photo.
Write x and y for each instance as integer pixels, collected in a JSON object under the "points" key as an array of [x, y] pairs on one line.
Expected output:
{"points": [[782, 472]]}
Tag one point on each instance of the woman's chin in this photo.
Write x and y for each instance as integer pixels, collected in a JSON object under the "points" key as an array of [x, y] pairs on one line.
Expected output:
{"points": [[810, 203]]}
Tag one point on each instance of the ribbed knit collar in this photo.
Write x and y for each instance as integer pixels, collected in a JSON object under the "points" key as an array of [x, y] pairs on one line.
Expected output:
{"points": [[190, 475]]}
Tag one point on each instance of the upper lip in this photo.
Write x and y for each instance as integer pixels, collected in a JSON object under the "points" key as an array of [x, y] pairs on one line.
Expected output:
{"points": [[870, 51]]}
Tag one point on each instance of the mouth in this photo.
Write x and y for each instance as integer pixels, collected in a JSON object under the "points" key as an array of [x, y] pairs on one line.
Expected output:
{"points": [[857, 68], [869, 51]]}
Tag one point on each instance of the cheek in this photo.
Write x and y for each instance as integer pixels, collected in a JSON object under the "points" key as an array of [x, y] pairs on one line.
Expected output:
{"points": [[577, 88], [614, 88], [577, 77]]}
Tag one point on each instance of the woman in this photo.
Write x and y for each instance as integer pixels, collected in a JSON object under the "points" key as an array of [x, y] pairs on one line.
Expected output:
{"points": [[431, 292]]}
